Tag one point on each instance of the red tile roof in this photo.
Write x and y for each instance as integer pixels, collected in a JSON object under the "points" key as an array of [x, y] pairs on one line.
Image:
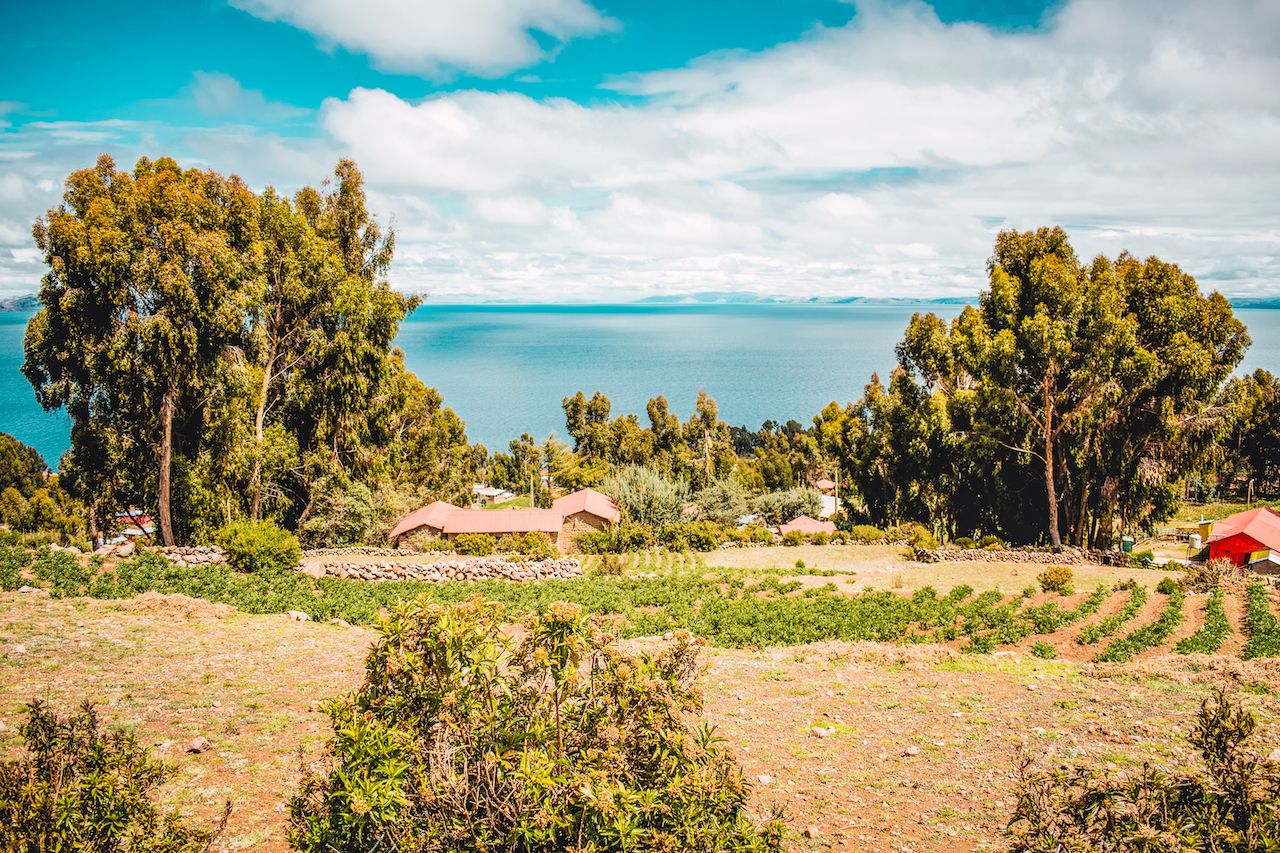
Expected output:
{"points": [[590, 501], [496, 522], [807, 525], [1262, 524], [824, 485], [432, 515]]}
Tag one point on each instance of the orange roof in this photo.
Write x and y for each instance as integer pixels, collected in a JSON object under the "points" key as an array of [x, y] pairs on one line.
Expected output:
{"points": [[807, 525], [432, 515], [1262, 524], [824, 485], [590, 501], [499, 521]]}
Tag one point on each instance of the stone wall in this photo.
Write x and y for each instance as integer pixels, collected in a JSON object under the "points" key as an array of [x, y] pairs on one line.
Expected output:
{"points": [[1022, 555], [454, 568], [196, 555], [579, 522]]}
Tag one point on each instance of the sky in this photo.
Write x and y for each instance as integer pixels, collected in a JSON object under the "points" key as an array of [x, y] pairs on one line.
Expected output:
{"points": [[614, 150]]}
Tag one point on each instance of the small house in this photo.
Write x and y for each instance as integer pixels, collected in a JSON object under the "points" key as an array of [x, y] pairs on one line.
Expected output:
{"points": [[1246, 538], [806, 525], [584, 511]]}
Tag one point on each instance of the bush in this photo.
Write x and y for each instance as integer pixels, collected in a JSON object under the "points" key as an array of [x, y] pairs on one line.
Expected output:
{"points": [[425, 543], [1210, 575], [1143, 559], [793, 538], [1043, 650], [723, 502], [780, 507], [12, 562], [258, 546], [463, 738], [622, 539], [991, 543], [1167, 586], [965, 543], [914, 534], [535, 545], [646, 497], [81, 789], [752, 533], [63, 572], [1231, 809], [866, 533], [820, 538], [691, 536], [474, 544], [612, 565], [1056, 579]]}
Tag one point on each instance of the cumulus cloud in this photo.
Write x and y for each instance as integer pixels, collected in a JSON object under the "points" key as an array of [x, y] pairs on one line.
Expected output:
{"points": [[220, 95], [486, 37], [877, 158]]}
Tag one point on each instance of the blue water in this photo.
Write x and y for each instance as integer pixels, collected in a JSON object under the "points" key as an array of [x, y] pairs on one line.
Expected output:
{"points": [[505, 368]]}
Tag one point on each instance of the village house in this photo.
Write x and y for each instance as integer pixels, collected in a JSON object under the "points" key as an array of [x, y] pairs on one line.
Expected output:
{"points": [[1249, 538], [580, 512], [806, 525]]}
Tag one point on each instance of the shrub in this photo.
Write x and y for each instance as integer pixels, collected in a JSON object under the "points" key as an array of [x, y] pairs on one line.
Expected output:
{"points": [[341, 514], [12, 562], [645, 496], [1043, 650], [792, 538], [79, 788], [63, 572], [753, 533], [724, 501], [1231, 809], [780, 507], [622, 539], [820, 538], [991, 543], [1056, 579], [964, 542], [474, 544], [1203, 577], [612, 565], [535, 545], [914, 534], [1143, 559], [691, 536], [1167, 586], [463, 738], [425, 543], [866, 533], [258, 546]]}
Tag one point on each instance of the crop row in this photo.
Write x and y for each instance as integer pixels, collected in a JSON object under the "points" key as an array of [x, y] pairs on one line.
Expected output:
{"points": [[1215, 631], [1094, 633], [1149, 635], [1263, 627]]}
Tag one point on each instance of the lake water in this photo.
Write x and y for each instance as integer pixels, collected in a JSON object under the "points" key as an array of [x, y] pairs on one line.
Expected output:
{"points": [[505, 368]]}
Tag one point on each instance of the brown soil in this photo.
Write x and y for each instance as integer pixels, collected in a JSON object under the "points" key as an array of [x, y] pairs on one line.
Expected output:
{"points": [[916, 752]]}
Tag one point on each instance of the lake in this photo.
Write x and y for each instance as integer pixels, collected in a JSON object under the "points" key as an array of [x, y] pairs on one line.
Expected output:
{"points": [[505, 368]]}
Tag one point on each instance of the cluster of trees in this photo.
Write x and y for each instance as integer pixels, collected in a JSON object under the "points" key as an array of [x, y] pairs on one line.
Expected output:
{"points": [[30, 497], [225, 354]]}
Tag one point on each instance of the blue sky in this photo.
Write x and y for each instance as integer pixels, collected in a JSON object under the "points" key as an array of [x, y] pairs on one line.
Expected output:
{"points": [[600, 151]]}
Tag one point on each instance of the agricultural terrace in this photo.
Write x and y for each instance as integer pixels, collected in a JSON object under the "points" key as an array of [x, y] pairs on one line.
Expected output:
{"points": [[877, 700]]}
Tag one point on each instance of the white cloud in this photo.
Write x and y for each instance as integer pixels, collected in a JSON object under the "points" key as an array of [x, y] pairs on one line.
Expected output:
{"points": [[430, 37], [878, 158], [220, 95]]}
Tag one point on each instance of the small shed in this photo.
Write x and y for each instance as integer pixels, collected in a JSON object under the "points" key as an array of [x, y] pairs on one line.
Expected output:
{"points": [[584, 511], [1246, 537]]}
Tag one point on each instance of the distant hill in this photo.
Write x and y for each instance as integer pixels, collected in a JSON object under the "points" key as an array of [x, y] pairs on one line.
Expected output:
{"points": [[26, 302], [1256, 302]]}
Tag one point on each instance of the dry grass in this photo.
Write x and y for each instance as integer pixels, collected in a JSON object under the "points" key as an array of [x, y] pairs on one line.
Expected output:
{"points": [[252, 685]]}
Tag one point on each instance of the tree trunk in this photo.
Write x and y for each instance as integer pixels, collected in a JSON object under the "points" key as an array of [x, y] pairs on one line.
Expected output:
{"points": [[259, 421], [166, 462], [1055, 538]]}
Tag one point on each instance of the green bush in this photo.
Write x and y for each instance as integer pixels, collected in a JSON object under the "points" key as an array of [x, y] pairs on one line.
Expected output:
{"points": [[866, 533], [1234, 807], [752, 533], [621, 539], [820, 538], [79, 788], [425, 543], [464, 739], [1167, 586], [258, 546], [914, 534], [535, 545], [64, 573], [965, 543], [474, 544], [12, 562], [991, 543], [1043, 650], [780, 507], [645, 496], [1143, 559], [792, 538], [1056, 579], [691, 536]]}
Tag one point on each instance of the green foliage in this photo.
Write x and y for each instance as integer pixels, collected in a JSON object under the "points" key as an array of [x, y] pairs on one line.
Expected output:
{"points": [[964, 542], [1148, 636], [1043, 650], [914, 534], [692, 536], [1234, 807], [991, 543], [792, 538], [80, 788], [259, 546], [866, 533], [12, 561], [1216, 630], [22, 468], [780, 507], [474, 544], [427, 544], [1143, 559], [342, 513], [723, 502], [1261, 624], [462, 739], [1094, 633], [63, 573], [1056, 579], [535, 545], [751, 533], [646, 497], [1167, 586]]}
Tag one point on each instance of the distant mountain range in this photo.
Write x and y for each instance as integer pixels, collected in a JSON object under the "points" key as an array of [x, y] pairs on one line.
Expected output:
{"points": [[26, 302]]}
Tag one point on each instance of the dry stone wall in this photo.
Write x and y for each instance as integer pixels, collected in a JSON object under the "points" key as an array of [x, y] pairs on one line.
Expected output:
{"points": [[455, 568], [194, 555], [1022, 555]]}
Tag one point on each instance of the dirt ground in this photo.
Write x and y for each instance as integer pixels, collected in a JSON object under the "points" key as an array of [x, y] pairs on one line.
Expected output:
{"points": [[867, 747]]}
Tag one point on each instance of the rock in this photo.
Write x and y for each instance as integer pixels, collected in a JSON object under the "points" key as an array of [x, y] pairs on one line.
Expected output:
{"points": [[1274, 757], [198, 745], [17, 649], [764, 779], [297, 616], [313, 571], [822, 731], [125, 549], [29, 589], [340, 622], [811, 832], [911, 751]]}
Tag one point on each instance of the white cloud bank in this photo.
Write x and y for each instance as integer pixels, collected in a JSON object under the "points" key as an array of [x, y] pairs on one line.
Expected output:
{"points": [[432, 37], [875, 159]]}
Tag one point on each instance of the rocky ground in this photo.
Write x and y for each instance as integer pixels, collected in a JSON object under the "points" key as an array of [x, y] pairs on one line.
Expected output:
{"points": [[867, 747]]}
